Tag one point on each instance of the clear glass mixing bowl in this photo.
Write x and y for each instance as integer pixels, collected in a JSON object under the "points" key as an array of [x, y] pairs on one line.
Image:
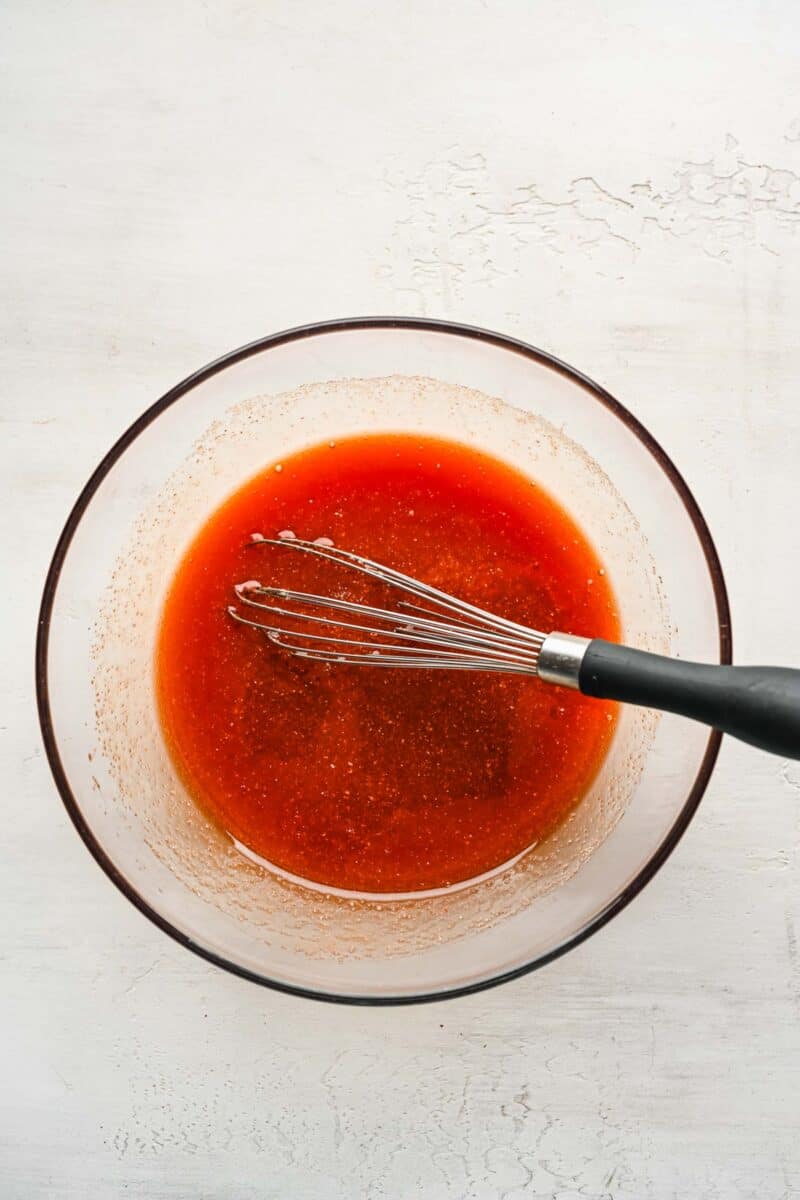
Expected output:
{"points": [[138, 512]]}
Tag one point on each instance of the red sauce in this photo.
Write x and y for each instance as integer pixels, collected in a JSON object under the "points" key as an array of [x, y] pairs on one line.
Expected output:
{"points": [[383, 780]]}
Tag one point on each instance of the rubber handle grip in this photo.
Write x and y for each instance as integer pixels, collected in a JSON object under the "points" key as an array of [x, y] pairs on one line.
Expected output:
{"points": [[759, 705]]}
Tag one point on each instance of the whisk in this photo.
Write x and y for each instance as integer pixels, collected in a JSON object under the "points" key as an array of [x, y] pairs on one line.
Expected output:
{"points": [[437, 631]]}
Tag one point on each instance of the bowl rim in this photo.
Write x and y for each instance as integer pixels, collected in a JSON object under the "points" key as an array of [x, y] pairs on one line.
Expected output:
{"points": [[298, 333]]}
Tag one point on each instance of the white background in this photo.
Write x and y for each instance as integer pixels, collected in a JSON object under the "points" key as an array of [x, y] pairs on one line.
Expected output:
{"points": [[618, 183]]}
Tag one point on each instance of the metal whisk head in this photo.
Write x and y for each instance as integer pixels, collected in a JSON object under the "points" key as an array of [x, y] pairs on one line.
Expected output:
{"points": [[443, 632]]}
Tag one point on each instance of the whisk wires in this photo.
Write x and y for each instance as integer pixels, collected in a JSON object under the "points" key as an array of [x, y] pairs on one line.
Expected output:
{"points": [[444, 632]]}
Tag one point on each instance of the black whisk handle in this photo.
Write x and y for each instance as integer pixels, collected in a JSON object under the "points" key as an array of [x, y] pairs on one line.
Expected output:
{"points": [[759, 705]]}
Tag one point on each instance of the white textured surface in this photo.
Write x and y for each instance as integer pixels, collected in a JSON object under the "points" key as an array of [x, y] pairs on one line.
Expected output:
{"points": [[617, 183]]}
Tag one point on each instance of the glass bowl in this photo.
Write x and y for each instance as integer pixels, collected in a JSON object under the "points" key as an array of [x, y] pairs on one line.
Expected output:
{"points": [[138, 512]]}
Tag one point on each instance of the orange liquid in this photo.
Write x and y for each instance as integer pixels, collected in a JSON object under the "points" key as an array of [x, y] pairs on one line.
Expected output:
{"points": [[363, 778]]}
